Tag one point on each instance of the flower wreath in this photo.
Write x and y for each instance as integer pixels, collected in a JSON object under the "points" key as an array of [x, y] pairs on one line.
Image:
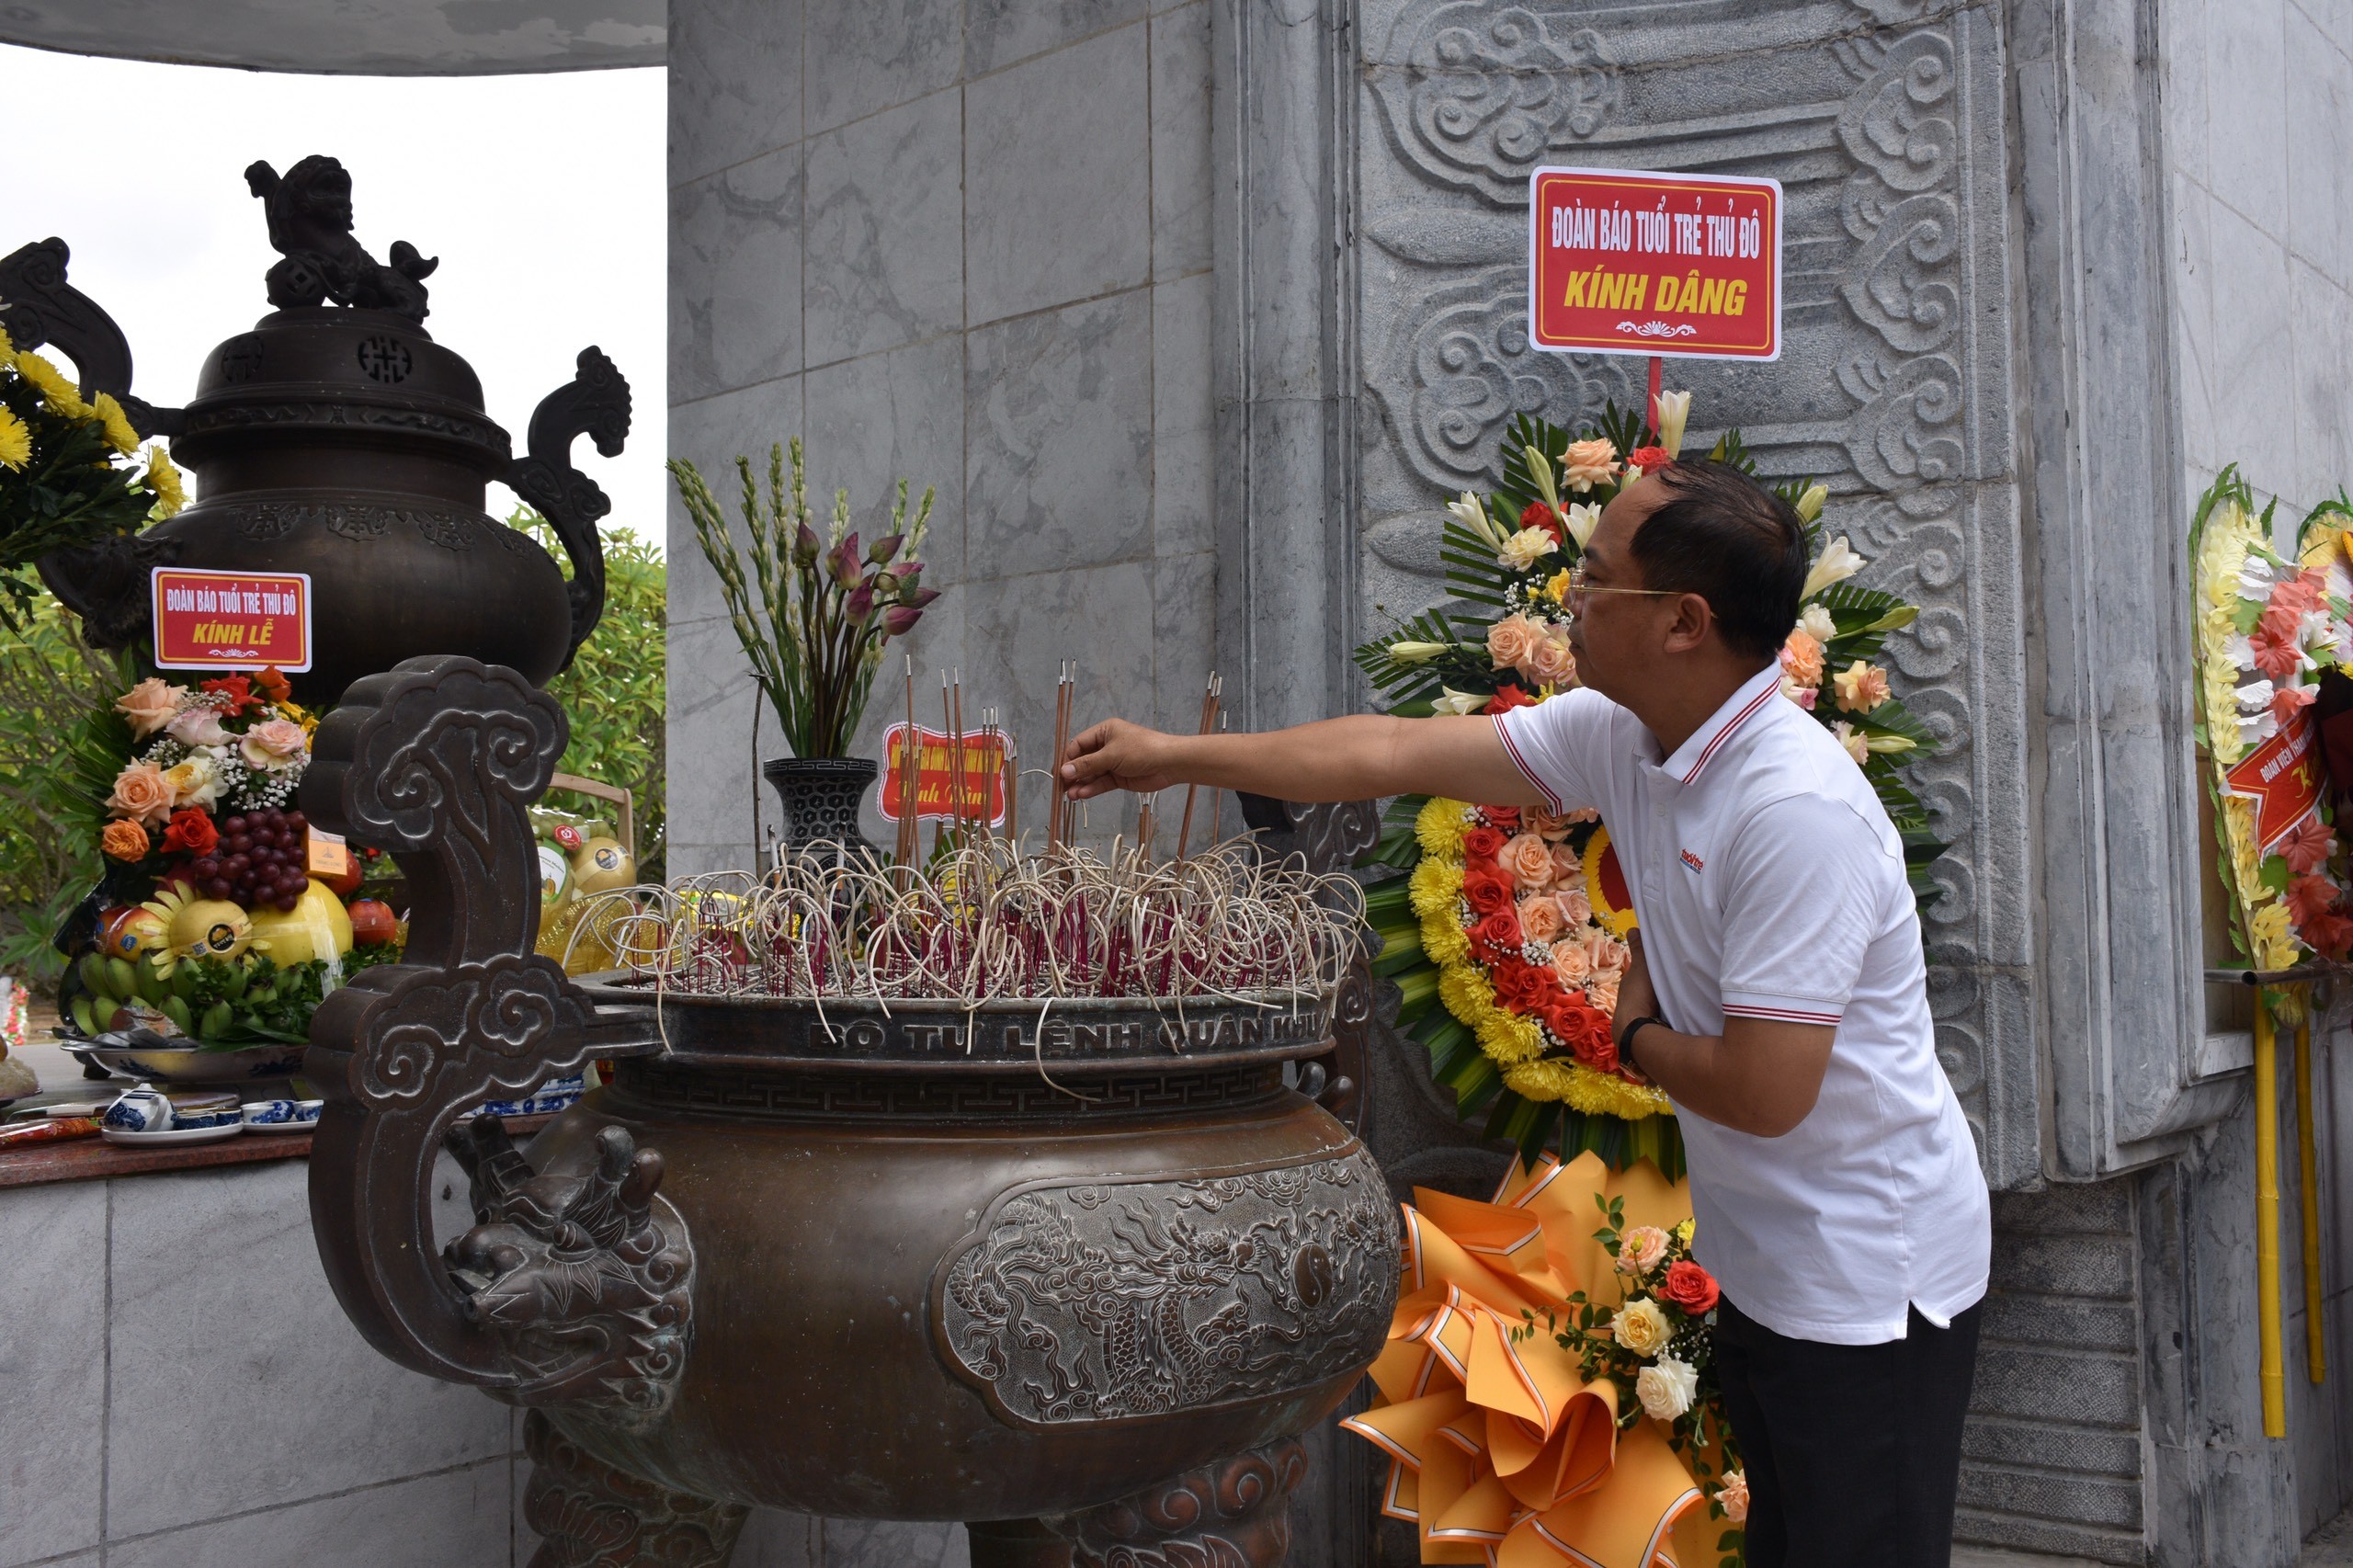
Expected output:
{"points": [[1514, 1010], [2268, 629]]}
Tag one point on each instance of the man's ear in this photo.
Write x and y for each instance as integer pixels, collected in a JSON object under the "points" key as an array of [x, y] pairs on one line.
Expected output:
{"points": [[1694, 620]]}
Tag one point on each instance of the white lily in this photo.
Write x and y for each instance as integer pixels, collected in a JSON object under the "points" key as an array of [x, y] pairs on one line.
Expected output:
{"points": [[1810, 503], [1892, 745], [1672, 409], [1472, 516], [1837, 564], [1582, 518], [1539, 467], [1458, 701], [1417, 653]]}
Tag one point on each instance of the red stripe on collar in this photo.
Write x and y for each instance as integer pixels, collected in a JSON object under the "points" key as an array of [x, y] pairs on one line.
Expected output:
{"points": [[1735, 723]]}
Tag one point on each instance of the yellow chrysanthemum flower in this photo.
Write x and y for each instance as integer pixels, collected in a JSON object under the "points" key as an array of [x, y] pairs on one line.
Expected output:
{"points": [[1444, 940], [164, 480], [1434, 886], [16, 441], [1440, 825], [56, 391], [119, 434], [1581, 1088], [7, 346]]}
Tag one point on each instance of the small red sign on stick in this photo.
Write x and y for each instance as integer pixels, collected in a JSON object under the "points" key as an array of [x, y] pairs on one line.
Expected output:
{"points": [[209, 620], [1626, 262], [936, 777]]}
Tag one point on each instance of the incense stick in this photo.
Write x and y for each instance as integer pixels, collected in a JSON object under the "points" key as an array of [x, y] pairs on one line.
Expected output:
{"points": [[1209, 712], [910, 773], [1217, 797], [1054, 763]]}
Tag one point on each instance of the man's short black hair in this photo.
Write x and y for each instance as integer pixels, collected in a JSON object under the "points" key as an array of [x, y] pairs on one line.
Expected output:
{"points": [[1727, 537]]}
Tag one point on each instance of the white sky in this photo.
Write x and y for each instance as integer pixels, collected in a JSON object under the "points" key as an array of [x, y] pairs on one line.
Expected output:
{"points": [[543, 195]]}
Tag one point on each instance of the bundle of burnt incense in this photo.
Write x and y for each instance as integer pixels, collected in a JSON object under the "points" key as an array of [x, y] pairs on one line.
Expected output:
{"points": [[982, 921]]}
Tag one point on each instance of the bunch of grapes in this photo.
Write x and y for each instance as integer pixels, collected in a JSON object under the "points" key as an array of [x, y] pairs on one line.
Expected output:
{"points": [[261, 859]]}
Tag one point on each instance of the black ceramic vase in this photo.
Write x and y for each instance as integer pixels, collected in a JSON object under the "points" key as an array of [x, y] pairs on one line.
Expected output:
{"points": [[820, 795]]}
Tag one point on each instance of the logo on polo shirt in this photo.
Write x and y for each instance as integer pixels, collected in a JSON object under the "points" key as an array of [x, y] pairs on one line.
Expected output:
{"points": [[1694, 862]]}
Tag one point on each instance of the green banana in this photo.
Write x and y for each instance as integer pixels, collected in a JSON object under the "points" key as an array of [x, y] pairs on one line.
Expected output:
{"points": [[93, 968], [240, 977], [215, 1022], [176, 1010], [151, 989], [122, 979], [82, 1019], [184, 983]]}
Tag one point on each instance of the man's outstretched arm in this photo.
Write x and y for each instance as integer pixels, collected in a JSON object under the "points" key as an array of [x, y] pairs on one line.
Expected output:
{"points": [[1360, 758]]}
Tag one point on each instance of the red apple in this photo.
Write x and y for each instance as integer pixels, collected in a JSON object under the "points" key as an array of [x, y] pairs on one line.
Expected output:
{"points": [[373, 923]]}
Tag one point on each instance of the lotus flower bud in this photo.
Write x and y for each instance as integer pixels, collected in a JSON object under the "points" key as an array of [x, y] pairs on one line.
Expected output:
{"points": [[886, 583], [861, 602], [805, 546], [882, 549], [921, 597], [900, 620]]}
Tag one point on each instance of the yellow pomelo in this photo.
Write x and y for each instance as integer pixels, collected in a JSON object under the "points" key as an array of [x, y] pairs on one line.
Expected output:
{"points": [[318, 927]]}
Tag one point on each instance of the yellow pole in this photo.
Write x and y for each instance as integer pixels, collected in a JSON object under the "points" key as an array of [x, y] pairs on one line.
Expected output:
{"points": [[2266, 1218], [2316, 1351]]}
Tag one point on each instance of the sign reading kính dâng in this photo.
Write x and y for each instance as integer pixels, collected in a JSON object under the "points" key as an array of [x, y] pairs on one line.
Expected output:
{"points": [[1628, 262], [208, 620]]}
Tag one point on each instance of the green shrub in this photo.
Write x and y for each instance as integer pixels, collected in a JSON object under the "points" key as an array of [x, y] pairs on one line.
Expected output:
{"points": [[48, 846]]}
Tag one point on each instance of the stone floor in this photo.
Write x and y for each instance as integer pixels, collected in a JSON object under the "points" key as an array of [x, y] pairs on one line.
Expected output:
{"points": [[2332, 1545]]}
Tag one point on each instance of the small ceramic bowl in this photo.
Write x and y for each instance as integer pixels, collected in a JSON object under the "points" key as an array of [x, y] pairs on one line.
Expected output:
{"points": [[283, 1113], [141, 1109], [216, 1116]]}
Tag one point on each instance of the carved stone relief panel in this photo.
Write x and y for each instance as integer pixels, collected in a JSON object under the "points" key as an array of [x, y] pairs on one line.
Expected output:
{"points": [[1883, 121]]}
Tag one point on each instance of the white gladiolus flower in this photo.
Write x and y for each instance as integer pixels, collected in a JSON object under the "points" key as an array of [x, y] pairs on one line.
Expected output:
{"points": [[1810, 503], [1818, 624], [1584, 517], [1674, 408], [2256, 728], [1666, 1388], [1539, 469], [1525, 549], [1458, 701], [1837, 564]]}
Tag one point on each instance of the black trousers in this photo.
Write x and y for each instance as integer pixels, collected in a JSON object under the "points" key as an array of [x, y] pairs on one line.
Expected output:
{"points": [[1852, 1451]]}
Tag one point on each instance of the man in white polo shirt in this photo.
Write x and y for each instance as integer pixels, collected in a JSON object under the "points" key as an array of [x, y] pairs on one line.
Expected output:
{"points": [[1779, 996]]}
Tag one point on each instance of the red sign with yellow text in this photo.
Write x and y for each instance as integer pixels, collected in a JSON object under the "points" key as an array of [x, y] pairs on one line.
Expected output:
{"points": [[936, 776], [2283, 776], [208, 620], [1625, 262]]}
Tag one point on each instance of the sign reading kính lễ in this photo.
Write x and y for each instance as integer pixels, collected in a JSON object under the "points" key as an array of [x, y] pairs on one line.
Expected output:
{"points": [[937, 774], [1627, 262], [207, 621]]}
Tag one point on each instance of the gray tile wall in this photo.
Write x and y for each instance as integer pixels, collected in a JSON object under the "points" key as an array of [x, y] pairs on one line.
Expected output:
{"points": [[967, 242], [183, 1392]]}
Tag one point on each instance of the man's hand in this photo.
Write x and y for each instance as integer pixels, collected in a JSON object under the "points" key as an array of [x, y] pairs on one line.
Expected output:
{"points": [[1636, 996], [1117, 755], [1761, 1076]]}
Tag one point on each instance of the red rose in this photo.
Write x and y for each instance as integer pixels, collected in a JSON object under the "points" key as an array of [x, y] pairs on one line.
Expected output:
{"points": [[1486, 891], [1690, 1287], [1520, 986], [192, 831], [1482, 844], [1498, 932], [238, 689], [1540, 515], [1507, 698], [1504, 817], [1650, 459]]}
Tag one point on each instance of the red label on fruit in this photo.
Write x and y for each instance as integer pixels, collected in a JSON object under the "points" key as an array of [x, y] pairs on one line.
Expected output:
{"points": [[207, 621], [1623, 262], [569, 836], [936, 776]]}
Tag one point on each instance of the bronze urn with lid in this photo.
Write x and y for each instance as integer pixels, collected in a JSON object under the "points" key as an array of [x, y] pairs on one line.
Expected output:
{"points": [[338, 439]]}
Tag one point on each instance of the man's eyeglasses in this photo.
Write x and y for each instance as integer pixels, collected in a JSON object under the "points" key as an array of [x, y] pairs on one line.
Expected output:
{"points": [[1580, 585]]}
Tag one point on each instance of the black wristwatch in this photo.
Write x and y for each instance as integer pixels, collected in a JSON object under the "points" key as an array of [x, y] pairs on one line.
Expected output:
{"points": [[1628, 1030]]}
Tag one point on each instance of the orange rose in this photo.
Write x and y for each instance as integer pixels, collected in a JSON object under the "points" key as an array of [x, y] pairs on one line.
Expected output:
{"points": [[141, 793], [1510, 639], [1545, 824], [1528, 860], [1539, 918], [124, 841], [1568, 869], [1602, 989], [1550, 662], [1571, 965], [1802, 658], [1576, 909], [149, 705], [1588, 463]]}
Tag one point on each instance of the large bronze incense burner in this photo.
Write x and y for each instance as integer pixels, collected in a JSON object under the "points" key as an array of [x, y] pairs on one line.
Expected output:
{"points": [[337, 439], [1077, 1273]]}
